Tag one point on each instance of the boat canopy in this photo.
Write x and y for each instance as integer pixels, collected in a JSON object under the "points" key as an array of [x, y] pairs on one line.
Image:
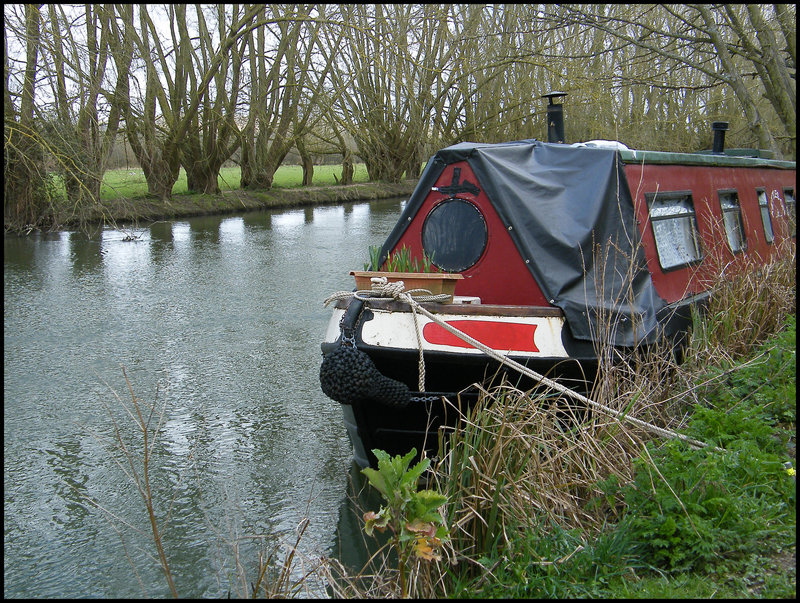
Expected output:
{"points": [[570, 214]]}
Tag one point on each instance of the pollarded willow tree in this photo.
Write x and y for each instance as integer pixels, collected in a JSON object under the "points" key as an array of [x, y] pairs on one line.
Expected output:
{"points": [[390, 63], [499, 76], [26, 201], [287, 84], [81, 52], [213, 134], [164, 123]]}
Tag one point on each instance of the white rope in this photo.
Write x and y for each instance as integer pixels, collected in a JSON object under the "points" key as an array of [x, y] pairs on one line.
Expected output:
{"points": [[381, 287], [391, 290]]}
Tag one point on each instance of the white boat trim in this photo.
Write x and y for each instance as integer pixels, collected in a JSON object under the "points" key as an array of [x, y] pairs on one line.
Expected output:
{"points": [[389, 329]]}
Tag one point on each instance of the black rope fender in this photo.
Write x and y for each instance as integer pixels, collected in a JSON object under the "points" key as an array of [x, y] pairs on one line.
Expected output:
{"points": [[348, 375]]}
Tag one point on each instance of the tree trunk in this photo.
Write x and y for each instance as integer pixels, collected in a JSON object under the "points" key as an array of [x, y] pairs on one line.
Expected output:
{"points": [[25, 182], [347, 167], [307, 163], [161, 174], [202, 177]]}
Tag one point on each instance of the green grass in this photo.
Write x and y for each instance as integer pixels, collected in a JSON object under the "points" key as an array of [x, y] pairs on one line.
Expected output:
{"points": [[696, 523], [130, 182]]}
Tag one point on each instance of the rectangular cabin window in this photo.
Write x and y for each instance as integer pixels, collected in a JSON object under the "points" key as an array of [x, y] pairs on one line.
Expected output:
{"points": [[674, 224], [791, 210], [732, 218], [766, 219]]}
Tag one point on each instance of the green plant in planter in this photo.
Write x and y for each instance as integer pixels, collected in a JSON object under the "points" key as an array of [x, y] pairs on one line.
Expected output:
{"points": [[399, 261], [417, 528]]}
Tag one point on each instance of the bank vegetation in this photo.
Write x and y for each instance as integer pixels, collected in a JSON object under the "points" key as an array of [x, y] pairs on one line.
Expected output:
{"points": [[191, 88]]}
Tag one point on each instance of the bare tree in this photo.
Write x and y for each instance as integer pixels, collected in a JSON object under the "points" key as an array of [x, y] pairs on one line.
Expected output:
{"points": [[158, 127], [213, 135], [389, 63], [26, 200], [735, 45], [77, 67], [286, 86]]}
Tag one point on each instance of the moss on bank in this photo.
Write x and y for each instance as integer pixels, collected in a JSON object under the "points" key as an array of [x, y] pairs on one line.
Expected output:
{"points": [[126, 210]]}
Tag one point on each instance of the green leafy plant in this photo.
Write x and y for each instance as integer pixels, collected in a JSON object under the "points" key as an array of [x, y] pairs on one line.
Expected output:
{"points": [[400, 261], [412, 516], [374, 257], [691, 508]]}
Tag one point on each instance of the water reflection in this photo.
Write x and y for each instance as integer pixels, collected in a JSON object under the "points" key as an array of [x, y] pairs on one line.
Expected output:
{"points": [[219, 317], [85, 253]]}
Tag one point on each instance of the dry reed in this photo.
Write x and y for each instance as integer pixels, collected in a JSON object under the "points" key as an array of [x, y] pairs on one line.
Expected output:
{"points": [[522, 459]]}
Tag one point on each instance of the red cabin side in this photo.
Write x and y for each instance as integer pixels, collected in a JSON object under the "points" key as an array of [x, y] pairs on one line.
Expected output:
{"points": [[500, 276], [705, 184]]}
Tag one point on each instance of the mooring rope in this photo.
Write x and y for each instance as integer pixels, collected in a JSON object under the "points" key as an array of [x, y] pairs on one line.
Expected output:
{"points": [[382, 288]]}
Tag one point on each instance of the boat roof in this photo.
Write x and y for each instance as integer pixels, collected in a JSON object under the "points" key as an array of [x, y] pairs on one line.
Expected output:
{"points": [[753, 158], [703, 159]]}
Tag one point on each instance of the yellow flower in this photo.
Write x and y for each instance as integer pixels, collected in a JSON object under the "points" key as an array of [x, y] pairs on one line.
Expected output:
{"points": [[791, 471]]}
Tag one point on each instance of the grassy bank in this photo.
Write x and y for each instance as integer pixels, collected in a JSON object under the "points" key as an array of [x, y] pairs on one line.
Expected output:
{"points": [[123, 196], [131, 182], [666, 521], [541, 504]]}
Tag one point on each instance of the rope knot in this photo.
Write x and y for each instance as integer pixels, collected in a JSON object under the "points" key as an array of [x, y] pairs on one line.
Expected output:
{"points": [[382, 286]]}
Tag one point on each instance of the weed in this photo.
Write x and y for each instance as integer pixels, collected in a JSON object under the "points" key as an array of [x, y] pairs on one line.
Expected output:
{"points": [[411, 515], [690, 508], [555, 563]]}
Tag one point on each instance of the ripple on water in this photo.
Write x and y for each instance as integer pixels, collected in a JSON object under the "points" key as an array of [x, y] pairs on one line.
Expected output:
{"points": [[210, 316]]}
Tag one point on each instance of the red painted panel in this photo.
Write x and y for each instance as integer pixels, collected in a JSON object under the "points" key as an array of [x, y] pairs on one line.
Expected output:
{"points": [[704, 183], [500, 276], [496, 335]]}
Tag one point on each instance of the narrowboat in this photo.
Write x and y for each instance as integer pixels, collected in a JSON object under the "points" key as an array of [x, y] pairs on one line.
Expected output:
{"points": [[557, 248]]}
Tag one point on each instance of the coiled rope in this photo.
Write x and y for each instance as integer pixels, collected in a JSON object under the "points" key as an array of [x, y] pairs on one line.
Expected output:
{"points": [[382, 288]]}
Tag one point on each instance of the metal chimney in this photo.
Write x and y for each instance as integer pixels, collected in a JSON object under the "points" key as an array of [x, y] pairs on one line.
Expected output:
{"points": [[555, 118], [719, 128]]}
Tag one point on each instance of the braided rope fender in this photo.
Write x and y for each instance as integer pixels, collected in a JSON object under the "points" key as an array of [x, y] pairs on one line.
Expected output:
{"points": [[348, 375]]}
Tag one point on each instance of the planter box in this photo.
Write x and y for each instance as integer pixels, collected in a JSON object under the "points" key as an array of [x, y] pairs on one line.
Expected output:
{"points": [[435, 282]]}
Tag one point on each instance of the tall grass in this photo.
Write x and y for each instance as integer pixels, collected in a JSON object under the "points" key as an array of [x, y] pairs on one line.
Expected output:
{"points": [[526, 462], [745, 310]]}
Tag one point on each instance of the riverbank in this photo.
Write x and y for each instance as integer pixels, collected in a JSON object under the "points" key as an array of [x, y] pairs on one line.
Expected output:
{"points": [[125, 210]]}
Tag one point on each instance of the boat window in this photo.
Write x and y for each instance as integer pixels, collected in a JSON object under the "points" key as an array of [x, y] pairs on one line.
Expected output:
{"points": [[674, 224], [732, 218], [454, 235], [791, 210], [763, 205]]}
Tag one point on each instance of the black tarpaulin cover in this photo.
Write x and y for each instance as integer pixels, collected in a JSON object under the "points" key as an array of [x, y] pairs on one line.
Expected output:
{"points": [[571, 214]]}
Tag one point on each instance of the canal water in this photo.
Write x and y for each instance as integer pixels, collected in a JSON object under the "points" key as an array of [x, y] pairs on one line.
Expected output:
{"points": [[216, 319]]}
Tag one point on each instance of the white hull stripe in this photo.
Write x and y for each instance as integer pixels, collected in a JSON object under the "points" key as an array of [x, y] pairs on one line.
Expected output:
{"points": [[527, 336]]}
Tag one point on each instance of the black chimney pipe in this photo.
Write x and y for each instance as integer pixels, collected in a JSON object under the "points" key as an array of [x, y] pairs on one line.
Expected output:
{"points": [[719, 128], [555, 118]]}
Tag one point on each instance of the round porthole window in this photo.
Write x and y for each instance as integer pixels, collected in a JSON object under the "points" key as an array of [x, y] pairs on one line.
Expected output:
{"points": [[454, 235]]}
